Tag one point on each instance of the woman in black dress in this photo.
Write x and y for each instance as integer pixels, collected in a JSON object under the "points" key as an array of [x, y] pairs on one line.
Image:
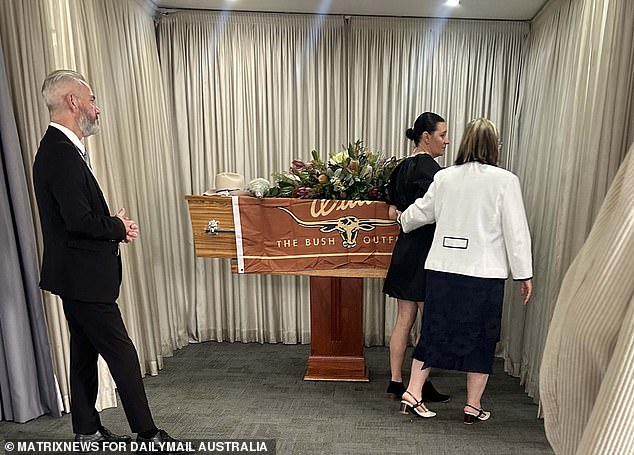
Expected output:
{"points": [[406, 277]]}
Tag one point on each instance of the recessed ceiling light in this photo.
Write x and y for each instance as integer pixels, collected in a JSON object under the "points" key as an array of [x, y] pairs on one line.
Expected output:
{"points": [[453, 3]]}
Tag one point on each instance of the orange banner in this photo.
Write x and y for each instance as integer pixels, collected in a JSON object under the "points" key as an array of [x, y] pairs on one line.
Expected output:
{"points": [[287, 235]]}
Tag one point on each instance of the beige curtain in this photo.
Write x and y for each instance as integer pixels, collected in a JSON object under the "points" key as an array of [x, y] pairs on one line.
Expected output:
{"points": [[400, 68], [575, 125], [249, 93], [19, 20], [534, 81], [253, 91], [587, 373], [113, 44]]}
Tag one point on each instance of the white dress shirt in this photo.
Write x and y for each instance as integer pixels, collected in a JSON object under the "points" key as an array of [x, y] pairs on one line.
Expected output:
{"points": [[481, 226]]}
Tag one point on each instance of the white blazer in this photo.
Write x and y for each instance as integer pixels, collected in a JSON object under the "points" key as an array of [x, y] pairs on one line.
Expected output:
{"points": [[481, 226]]}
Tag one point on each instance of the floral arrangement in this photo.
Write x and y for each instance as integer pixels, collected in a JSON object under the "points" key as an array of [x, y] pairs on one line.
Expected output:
{"points": [[355, 173]]}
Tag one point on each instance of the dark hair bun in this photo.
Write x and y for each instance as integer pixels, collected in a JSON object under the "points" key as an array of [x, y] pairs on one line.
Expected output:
{"points": [[410, 134]]}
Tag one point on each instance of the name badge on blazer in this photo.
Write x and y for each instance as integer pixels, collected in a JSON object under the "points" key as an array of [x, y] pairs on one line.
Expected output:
{"points": [[455, 242]]}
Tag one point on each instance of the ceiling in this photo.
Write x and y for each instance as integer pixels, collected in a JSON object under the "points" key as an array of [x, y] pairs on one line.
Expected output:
{"points": [[468, 9]]}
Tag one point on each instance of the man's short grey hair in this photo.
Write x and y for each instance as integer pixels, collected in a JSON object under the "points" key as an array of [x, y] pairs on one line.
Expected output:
{"points": [[51, 92]]}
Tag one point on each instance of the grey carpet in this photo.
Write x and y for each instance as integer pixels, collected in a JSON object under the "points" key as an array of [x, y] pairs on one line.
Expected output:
{"points": [[233, 390]]}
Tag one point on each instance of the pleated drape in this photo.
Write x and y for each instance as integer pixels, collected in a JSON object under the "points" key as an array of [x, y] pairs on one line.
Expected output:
{"points": [[242, 107], [587, 373], [113, 44], [399, 68], [206, 92], [575, 118], [28, 387]]}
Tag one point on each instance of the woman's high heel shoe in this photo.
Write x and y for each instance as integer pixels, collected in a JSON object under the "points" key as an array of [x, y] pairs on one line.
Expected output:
{"points": [[471, 418], [418, 408]]}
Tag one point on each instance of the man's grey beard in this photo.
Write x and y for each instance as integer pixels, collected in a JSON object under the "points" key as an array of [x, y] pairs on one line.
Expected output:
{"points": [[86, 126]]}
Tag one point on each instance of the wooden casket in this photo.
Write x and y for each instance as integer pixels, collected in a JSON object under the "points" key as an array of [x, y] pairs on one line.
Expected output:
{"points": [[336, 243]]}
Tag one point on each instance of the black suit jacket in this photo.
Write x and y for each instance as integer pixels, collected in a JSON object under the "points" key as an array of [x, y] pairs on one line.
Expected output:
{"points": [[81, 240]]}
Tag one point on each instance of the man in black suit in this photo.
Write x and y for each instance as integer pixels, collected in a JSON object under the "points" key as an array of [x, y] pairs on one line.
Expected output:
{"points": [[81, 261]]}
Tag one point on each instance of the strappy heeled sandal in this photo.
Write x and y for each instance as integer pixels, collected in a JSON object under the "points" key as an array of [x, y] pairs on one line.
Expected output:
{"points": [[417, 409], [470, 418]]}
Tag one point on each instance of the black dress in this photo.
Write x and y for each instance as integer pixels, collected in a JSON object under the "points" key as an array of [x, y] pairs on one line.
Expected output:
{"points": [[406, 276]]}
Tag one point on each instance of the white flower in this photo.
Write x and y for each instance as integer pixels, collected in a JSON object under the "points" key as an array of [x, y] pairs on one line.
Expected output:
{"points": [[292, 176], [338, 184], [259, 186], [339, 158]]}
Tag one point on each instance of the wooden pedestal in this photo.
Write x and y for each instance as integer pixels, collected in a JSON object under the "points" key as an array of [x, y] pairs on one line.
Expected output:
{"points": [[336, 324], [336, 295]]}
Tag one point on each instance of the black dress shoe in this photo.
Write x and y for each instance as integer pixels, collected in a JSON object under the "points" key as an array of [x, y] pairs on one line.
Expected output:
{"points": [[102, 435], [162, 443], [395, 390], [431, 395]]}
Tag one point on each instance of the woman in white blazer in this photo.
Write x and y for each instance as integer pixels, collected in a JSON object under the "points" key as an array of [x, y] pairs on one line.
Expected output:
{"points": [[481, 231]]}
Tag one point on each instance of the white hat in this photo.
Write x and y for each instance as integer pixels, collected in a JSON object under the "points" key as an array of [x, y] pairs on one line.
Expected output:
{"points": [[227, 184]]}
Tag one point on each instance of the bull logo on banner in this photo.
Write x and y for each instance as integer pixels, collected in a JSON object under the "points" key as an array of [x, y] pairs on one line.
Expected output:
{"points": [[347, 226]]}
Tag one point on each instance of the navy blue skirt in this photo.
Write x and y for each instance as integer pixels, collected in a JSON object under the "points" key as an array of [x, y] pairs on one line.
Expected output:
{"points": [[461, 322]]}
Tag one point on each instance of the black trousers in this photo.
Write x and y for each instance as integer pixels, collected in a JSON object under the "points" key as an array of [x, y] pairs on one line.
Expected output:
{"points": [[97, 329]]}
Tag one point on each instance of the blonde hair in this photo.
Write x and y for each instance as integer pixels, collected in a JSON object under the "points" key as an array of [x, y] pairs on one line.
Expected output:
{"points": [[54, 82], [479, 143]]}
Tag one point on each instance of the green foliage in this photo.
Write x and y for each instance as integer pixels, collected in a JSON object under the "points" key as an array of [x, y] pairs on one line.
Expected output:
{"points": [[354, 173]]}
